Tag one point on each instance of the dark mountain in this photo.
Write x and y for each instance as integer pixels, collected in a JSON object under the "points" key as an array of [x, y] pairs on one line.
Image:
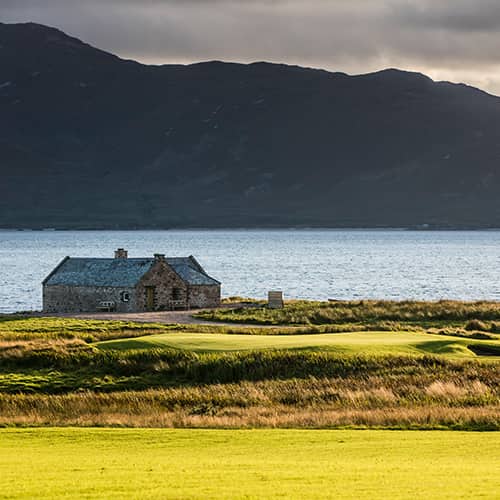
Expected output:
{"points": [[91, 140]]}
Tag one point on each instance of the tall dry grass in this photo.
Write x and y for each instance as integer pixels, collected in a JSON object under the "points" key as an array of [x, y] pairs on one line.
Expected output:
{"points": [[245, 407]]}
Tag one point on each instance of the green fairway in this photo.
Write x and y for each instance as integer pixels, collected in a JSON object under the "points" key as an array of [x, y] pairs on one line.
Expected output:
{"points": [[160, 463], [355, 342]]}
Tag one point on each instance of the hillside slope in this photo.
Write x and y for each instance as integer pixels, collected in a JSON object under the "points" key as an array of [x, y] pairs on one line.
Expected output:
{"points": [[91, 140]]}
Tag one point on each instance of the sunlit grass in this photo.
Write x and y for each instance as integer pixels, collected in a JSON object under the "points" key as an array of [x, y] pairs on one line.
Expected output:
{"points": [[349, 343], [153, 463]]}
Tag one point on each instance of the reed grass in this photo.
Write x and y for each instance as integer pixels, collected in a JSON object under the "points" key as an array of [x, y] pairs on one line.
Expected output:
{"points": [[324, 403]]}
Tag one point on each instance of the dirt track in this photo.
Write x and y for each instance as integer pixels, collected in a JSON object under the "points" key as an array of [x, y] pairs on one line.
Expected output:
{"points": [[167, 317]]}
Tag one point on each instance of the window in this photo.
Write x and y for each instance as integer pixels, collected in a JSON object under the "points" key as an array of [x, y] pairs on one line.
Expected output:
{"points": [[176, 294], [125, 296]]}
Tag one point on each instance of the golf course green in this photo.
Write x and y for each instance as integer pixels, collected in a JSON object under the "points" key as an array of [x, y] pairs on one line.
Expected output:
{"points": [[350, 343]]}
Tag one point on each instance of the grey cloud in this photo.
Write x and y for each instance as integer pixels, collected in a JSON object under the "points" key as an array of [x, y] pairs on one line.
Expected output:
{"points": [[457, 39], [458, 15]]}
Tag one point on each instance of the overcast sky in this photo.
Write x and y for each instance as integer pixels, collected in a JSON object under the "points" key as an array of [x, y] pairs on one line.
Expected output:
{"points": [[456, 40]]}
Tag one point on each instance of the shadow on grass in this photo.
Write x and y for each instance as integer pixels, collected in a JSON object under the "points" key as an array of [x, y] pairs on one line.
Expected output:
{"points": [[444, 347], [485, 349]]}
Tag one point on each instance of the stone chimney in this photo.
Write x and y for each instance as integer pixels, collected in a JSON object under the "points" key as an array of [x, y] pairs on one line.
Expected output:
{"points": [[159, 256], [121, 253]]}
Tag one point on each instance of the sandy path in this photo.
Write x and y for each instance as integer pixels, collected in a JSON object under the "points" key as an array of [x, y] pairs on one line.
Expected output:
{"points": [[166, 317]]}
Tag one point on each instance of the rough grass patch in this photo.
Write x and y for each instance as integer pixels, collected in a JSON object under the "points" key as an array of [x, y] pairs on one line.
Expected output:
{"points": [[310, 312]]}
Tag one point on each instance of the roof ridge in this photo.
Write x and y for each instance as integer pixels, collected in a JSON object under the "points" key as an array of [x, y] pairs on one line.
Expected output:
{"points": [[112, 258], [187, 257], [108, 271]]}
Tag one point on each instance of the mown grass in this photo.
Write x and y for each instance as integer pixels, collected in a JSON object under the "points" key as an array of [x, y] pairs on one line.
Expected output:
{"points": [[424, 314], [349, 343], [209, 464]]}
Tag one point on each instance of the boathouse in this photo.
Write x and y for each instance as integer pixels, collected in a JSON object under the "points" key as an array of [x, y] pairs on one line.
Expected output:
{"points": [[125, 284]]}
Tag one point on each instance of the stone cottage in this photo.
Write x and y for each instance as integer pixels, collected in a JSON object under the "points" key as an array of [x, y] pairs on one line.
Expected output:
{"points": [[129, 285]]}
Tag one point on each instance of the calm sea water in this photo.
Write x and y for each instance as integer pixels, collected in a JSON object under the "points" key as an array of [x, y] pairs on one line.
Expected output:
{"points": [[308, 264]]}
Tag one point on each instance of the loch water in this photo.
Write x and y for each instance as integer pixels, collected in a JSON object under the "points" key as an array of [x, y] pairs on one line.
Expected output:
{"points": [[310, 264]]}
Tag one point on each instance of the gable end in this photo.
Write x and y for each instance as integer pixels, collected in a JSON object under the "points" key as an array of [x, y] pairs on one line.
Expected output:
{"points": [[54, 271]]}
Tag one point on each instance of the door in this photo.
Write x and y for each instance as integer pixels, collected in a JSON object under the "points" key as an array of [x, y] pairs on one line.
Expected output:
{"points": [[150, 298]]}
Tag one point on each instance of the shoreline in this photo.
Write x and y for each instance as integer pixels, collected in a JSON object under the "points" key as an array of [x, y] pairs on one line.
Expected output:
{"points": [[258, 228]]}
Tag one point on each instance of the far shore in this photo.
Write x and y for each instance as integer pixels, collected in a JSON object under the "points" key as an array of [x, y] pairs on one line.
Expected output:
{"points": [[418, 228]]}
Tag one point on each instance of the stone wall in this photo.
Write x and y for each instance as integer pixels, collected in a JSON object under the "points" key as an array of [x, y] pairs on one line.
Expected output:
{"points": [[71, 299], [170, 292], [204, 296], [167, 288]]}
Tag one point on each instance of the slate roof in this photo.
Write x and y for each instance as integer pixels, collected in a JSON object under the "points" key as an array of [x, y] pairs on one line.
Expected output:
{"points": [[121, 272], [190, 271]]}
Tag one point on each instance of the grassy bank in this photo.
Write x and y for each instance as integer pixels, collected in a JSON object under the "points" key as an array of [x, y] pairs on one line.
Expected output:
{"points": [[247, 389], [152, 463]]}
